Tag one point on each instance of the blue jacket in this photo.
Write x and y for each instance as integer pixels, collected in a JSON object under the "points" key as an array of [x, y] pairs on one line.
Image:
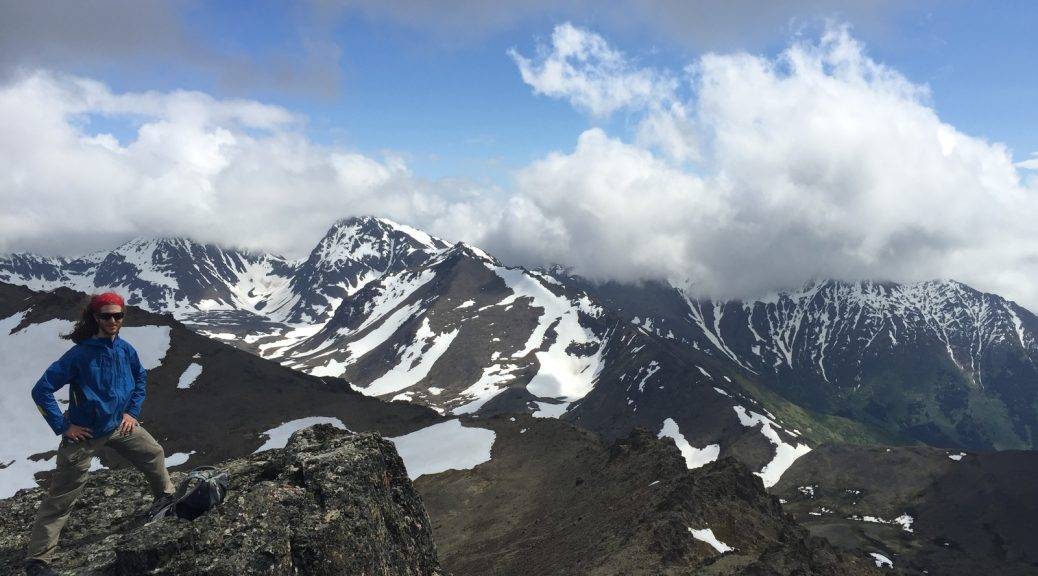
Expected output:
{"points": [[106, 379]]}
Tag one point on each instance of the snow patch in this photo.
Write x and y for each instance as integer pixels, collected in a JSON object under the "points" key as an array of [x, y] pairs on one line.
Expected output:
{"points": [[653, 368], [487, 387], [905, 521], [333, 368], [549, 410], [707, 535], [374, 338], [415, 361], [178, 458], [25, 355], [419, 236], [444, 446], [694, 457], [881, 560], [151, 343], [785, 454], [277, 437], [561, 375], [191, 373]]}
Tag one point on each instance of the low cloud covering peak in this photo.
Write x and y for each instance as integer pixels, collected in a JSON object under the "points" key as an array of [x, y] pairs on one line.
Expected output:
{"points": [[820, 162], [738, 174]]}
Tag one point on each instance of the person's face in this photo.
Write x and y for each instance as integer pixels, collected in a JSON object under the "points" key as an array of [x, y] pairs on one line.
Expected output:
{"points": [[110, 319]]}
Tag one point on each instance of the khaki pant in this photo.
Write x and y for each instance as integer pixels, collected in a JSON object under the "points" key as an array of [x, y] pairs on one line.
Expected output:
{"points": [[71, 475]]}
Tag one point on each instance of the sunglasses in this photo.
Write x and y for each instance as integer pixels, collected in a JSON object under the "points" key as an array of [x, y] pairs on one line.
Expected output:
{"points": [[110, 315]]}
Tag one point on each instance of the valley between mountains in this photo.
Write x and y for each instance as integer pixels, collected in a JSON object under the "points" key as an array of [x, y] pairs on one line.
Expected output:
{"points": [[555, 425]]}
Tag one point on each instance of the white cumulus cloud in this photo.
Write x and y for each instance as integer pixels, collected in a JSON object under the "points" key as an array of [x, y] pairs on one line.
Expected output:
{"points": [[231, 171], [739, 174], [581, 67], [819, 162]]}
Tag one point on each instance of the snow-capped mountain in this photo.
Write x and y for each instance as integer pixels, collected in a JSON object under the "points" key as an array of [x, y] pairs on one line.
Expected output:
{"points": [[188, 279], [405, 316], [208, 401], [463, 326], [934, 361], [173, 275], [354, 252]]}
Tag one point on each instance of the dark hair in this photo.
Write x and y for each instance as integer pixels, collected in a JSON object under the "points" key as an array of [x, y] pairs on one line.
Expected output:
{"points": [[86, 327]]}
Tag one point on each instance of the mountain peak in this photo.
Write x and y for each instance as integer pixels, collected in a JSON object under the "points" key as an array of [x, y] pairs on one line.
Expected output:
{"points": [[374, 242], [470, 251], [380, 226], [143, 242]]}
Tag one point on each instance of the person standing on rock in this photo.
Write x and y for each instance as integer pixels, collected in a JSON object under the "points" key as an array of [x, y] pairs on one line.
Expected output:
{"points": [[107, 389]]}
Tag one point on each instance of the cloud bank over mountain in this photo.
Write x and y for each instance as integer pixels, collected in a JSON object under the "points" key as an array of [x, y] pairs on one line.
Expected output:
{"points": [[740, 174], [237, 172], [761, 173]]}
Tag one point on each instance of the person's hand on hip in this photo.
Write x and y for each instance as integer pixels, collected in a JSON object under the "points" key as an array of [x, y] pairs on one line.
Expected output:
{"points": [[75, 433]]}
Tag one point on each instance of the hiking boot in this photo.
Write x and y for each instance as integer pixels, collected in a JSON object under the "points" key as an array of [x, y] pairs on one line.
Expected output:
{"points": [[160, 505], [38, 568]]}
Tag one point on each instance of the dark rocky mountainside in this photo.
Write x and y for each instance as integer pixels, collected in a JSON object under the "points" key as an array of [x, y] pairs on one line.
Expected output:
{"points": [[406, 315], [549, 489], [225, 410], [385, 304], [557, 500], [330, 503], [927, 510], [934, 362]]}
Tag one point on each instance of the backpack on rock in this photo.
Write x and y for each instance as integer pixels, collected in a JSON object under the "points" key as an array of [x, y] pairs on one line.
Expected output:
{"points": [[202, 489]]}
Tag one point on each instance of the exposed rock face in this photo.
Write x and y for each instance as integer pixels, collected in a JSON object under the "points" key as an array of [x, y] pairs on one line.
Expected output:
{"points": [[330, 503]]}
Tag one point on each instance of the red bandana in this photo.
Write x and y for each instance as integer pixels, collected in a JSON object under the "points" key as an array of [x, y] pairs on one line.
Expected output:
{"points": [[99, 300]]}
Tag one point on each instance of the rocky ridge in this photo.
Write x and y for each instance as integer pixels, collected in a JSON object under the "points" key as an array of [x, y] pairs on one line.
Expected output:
{"points": [[329, 503], [557, 500]]}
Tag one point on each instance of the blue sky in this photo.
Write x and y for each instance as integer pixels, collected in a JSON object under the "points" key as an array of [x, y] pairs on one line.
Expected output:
{"points": [[449, 98], [741, 146]]}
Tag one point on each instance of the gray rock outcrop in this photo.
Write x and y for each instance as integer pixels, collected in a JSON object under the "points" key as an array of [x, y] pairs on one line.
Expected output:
{"points": [[329, 503]]}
